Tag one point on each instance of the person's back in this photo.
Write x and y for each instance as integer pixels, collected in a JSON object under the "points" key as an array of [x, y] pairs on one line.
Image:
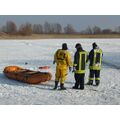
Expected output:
{"points": [[95, 57], [62, 58], [80, 59]]}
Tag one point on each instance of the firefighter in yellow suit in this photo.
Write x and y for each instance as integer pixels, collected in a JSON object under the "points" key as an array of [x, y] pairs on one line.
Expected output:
{"points": [[63, 61]]}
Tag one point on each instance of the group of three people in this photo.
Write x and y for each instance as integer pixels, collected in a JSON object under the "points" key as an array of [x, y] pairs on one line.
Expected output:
{"points": [[63, 61]]}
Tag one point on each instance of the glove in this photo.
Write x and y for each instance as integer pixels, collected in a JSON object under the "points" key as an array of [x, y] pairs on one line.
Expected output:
{"points": [[70, 68], [54, 62]]}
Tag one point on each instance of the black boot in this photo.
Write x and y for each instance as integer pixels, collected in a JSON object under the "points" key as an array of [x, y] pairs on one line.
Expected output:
{"points": [[81, 87], [97, 82], [56, 85], [62, 87], [82, 84], [90, 82], [75, 86]]}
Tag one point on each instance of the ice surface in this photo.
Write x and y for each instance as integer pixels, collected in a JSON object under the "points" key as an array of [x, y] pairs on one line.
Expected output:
{"points": [[39, 53]]}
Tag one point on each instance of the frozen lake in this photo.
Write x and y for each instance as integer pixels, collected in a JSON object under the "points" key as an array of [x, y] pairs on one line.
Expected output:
{"points": [[39, 53]]}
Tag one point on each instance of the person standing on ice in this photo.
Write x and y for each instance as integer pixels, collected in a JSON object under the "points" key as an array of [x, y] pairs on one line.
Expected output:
{"points": [[80, 60], [95, 58], [63, 61]]}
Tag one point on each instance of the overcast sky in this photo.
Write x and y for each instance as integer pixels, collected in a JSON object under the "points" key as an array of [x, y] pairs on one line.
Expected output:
{"points": [[80, 22]]}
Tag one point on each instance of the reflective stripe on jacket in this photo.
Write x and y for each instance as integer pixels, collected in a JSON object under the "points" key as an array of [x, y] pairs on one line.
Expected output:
{"points": [[80, 59], [95, 57]]}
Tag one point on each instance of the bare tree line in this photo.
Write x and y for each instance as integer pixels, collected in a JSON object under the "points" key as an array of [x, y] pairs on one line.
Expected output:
{"points": [[52, 28]]}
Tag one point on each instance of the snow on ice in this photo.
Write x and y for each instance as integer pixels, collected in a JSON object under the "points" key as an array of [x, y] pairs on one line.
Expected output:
{"points": [[38, 53]]}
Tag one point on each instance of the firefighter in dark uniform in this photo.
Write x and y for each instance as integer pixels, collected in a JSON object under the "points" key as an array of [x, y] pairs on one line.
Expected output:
{"points": [[80, 60], [95, 58]]}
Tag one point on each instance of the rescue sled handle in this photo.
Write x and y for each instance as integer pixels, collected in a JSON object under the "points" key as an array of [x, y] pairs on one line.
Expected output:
{"points": [[44, 67]]}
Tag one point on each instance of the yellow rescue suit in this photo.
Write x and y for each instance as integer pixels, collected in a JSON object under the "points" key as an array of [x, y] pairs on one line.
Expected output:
{"points": [[63, 61]]}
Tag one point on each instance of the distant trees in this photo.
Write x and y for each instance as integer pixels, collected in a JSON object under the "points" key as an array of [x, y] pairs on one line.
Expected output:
{"points": [[57, 28], [25, 29], [37, 29], [88, 30], [28, 29], [9, 28], [97, 30], [52, 28], [107, 31], [69, 29], [47, 28]]}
